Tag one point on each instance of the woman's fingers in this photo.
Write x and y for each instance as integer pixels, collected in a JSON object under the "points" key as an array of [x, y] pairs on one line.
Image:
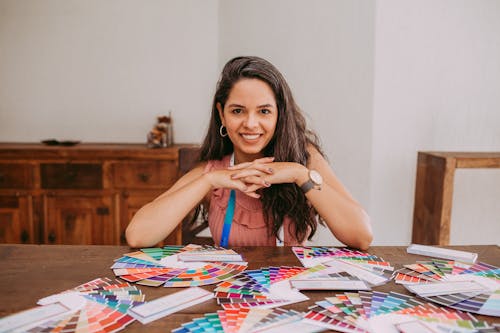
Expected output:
{"points": [[240, 166], [255, 181], [252, 194], [251, 172], [252, 190], [255, 164]]}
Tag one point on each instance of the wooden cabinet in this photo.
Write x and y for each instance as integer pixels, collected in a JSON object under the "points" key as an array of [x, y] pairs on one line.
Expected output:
{"points": [[79, 219], [84, 194], [16, 219]]}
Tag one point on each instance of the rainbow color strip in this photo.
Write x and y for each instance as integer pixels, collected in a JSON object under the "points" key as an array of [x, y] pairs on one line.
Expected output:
{"points": [[247, 320], [105, 309], [150, 266], [354, 312], [252, 288]]}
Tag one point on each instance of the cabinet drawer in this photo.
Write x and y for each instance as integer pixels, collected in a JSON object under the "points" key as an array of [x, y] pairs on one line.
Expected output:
{"points": [[150, 175], [71, 176], [16, 175]]}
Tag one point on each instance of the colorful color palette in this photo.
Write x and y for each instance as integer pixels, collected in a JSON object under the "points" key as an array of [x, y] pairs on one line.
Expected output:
{"points": [[164, 266], [265, 287], [104, 310], [384, 312], [442, 276], [364, 266], [249, 320]]}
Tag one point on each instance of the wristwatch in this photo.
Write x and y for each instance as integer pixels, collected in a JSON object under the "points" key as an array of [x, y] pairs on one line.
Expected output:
{"points": [[315, 181]]}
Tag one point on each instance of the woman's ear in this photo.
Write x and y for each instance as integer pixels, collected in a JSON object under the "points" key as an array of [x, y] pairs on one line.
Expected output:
{"points": [[221, 112]]}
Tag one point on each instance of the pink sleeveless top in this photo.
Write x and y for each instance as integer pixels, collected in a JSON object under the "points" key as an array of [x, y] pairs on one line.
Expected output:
{"points": [[249, 227]]}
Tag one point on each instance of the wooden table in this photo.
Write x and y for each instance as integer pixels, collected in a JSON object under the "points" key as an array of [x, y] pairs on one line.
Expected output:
{"points": [[434, 191], [30, 272]]}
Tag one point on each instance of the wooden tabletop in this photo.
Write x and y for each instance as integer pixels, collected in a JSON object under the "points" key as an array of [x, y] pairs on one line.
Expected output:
{"points": [[30, 272]]}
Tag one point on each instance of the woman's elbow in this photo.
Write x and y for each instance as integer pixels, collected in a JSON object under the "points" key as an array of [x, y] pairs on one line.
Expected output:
{"points": [[132, 240], [365, 243], [366, 237]]}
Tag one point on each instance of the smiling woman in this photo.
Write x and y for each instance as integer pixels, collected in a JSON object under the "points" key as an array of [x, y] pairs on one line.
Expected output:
{"points": [[262, 174]]}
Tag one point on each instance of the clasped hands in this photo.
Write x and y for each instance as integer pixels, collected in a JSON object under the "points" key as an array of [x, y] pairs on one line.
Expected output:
{"points": [[249, 177]]}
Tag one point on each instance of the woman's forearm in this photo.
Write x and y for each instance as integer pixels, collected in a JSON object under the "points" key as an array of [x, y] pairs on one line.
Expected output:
{"points": [[156, 220], [345, 218]]}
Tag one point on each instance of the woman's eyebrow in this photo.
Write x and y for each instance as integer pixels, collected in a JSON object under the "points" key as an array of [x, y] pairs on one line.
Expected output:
{"points": [[266, 106], [234, 105]]}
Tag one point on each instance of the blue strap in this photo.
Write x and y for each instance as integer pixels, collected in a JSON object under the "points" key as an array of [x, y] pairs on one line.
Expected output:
{"points": [[228, 219]]}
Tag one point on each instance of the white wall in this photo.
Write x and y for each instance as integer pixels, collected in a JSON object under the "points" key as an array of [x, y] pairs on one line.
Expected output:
{"points": [[437, 79], [378, 80], [101, 71]]}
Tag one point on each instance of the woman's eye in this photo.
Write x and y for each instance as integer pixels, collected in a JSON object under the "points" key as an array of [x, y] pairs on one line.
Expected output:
{"points": [[236, 111], [265, 111]]}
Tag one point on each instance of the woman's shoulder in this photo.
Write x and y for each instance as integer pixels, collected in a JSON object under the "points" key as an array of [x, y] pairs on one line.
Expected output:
{"points": [[314, 152], [316, 157]]}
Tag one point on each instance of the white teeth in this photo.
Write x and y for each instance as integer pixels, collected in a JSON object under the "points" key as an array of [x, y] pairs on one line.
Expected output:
{"points": [[250, 136]]}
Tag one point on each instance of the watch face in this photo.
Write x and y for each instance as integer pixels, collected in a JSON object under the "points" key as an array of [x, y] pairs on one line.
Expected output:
{"points": [[315, 177]]}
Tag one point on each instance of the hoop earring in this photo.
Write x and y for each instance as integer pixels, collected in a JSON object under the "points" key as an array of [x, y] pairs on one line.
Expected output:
{"points": [[220, 131]]}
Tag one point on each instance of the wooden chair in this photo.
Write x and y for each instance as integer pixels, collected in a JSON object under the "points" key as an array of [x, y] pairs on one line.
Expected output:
{"points": [[188, 157]]}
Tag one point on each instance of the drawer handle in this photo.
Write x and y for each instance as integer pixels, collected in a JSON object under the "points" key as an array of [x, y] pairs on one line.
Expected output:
{"points": [[144, 177], [102, 210], [52, 237], [25, 236]]}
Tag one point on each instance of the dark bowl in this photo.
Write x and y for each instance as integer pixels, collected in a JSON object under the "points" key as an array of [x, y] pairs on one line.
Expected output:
{"points": [[68, 143], [50, 142]]}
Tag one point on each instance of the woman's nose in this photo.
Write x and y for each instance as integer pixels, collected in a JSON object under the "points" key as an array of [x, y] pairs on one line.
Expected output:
{"points": [[250, 121]]}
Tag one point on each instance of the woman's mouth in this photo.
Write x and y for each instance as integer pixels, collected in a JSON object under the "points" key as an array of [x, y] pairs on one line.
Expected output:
{"points": [[247, 136]]}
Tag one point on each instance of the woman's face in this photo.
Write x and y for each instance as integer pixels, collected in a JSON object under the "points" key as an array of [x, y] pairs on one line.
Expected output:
{"points": [[250, 116]]}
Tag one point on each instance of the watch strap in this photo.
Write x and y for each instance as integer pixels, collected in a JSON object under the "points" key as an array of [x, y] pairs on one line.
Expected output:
{"points": [[307, 186]]}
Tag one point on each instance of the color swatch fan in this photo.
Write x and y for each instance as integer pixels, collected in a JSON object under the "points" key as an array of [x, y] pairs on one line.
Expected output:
{"points": [[179, 266], [323, 277], [266, 288], [376, 312], [467, 287], [361, 265], [97, 306], [244, 320]]}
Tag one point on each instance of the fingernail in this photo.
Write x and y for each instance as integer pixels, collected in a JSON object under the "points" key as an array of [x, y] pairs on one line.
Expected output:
{"points": [[270, 170], [267, 184], [233, 176]]}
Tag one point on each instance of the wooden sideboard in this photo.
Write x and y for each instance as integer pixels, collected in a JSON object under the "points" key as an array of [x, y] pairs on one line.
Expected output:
{"points": [[83, 194]]}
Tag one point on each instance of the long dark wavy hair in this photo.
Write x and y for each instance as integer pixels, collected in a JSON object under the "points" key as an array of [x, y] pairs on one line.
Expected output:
{"points": [[289, 144]]}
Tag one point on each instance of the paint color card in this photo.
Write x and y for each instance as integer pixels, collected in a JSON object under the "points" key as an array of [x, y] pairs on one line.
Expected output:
{"points": [[439, 252], [328, 284], [445, 288], [169, 304], [33, 316]]}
